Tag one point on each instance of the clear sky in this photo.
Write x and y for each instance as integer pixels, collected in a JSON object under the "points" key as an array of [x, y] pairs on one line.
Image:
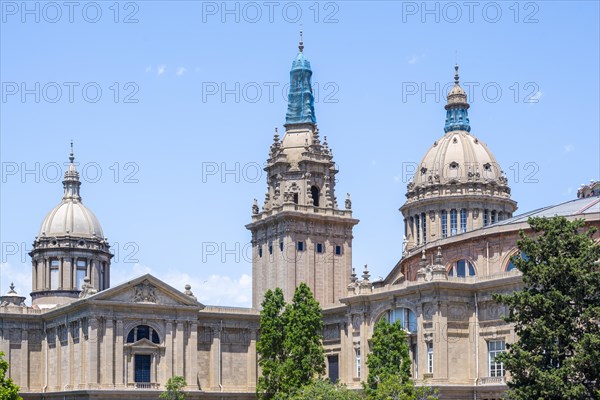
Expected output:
{"points": [[172, 107]]}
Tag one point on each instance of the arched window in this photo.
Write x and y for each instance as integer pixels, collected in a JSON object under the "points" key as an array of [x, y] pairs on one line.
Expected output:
{"points": [[315, 195], [510, 266], [444, 223], [486, 217], [461, 268], [493, 216], [407, 318], [463, 220], [453, 222], [143, 332]]}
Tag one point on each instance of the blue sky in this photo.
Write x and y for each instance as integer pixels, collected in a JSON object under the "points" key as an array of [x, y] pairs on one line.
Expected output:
{"points": [[172, 107]]}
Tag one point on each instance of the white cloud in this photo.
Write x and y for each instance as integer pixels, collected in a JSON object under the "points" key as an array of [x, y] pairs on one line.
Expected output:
{"points": [[161, 70], [181, 71], [18, 275], [214, 289], [415, 58], [569, 148]]}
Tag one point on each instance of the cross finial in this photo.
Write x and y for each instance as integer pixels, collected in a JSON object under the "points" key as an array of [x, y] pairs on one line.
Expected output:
{"points": [[301, 45], [71, 155]]}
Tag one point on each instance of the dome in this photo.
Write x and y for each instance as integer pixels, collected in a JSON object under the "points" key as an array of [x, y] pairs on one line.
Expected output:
{"points": [[71, 218], [458, 157]]}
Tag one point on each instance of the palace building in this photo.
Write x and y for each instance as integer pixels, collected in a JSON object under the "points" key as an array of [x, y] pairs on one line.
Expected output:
{"points": [[83, 339]]}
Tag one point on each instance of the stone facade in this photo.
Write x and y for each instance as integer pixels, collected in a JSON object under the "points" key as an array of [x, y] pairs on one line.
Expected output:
{"points": [[82, 339]]}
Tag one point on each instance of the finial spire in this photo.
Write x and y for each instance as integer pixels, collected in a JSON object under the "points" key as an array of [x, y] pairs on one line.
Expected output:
{"points": [[301, 45], [456, 74], [71, 181]]}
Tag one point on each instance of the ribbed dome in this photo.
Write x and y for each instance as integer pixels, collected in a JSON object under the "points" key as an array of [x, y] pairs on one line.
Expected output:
{"points": [[458, 157], [71, 218]]}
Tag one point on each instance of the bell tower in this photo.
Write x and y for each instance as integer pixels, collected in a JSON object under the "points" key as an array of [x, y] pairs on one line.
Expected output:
{"points": [[301, 235]]}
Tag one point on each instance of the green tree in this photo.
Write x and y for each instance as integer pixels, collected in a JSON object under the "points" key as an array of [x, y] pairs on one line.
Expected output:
{"points": [[324, 390], [305, 356], [290, 350], [269, 346], [556, 314], [389, 363], [8, 389], [174, 388]]}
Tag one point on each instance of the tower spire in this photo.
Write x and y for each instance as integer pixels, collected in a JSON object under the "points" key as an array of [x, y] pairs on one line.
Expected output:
{"points": [[301, 102]]}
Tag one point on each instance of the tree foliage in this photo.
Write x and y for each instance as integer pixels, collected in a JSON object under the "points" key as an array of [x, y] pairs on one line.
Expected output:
{"points": [[324, 390], [8, 389], [290, 349], [556, 315], [389, 363], [174, 389], [269, 346]]}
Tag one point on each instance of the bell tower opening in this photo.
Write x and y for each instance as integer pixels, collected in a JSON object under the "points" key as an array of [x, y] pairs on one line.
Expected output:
{"points": [[314, 191]]}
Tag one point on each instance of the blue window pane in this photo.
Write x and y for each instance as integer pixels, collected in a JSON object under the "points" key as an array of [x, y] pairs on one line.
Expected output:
{"points": [[460, 268]]}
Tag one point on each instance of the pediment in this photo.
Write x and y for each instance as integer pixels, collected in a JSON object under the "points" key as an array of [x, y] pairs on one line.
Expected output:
{"points": [[146, 289], [144, 344]]}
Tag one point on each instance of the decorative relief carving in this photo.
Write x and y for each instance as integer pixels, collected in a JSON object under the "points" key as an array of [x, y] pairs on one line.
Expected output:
{"points": [[236, 336], [144, 293], [356, 321], [428, 311], [331, 332], [457, 312]]}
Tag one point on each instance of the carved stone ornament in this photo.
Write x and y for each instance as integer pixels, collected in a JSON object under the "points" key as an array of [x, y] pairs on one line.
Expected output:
{"points": [[144, 293]]}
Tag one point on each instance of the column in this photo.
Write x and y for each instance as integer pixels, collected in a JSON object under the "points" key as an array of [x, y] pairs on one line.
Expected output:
{"points": [[215, 359], [92, 361], [251, 363], [109, 360], [179, 358], [24, 381], [192, 352], [169, 351], [119, 359]]}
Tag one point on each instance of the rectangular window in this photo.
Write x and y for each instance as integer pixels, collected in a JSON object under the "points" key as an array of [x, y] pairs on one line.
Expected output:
{"points": [[357, 361], [417, 225], [430, 357], [486, 217], [281, 246], [415, 354], [424, 226], [463, 220], [142, 367], [333, 368], [338, 250], [453, 223], [80, 273], [319, 247], [54, 274], [496, 368], [444, 223], [300, 246], [493, 217], [270, 248]]}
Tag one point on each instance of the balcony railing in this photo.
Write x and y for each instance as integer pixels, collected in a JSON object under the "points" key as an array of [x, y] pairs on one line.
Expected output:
{"points": [[492, 380], [143, 385]]}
